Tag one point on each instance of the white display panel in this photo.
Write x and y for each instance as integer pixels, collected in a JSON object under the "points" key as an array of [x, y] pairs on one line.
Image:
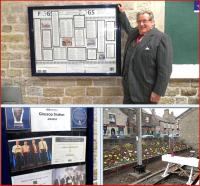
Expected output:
{"points": [[73, 175], [75, 40], [50, 119], [68, 149], [37, 178]]}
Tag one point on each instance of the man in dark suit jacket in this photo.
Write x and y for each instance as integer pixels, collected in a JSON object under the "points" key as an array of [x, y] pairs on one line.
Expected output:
{"points": [[147, 64]]}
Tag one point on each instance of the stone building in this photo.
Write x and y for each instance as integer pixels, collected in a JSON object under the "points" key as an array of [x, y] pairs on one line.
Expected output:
{"points": [[115, 123], [16, 64], [189, 127], [148, 125], [158, 126], [171, 126], [122, 121]]}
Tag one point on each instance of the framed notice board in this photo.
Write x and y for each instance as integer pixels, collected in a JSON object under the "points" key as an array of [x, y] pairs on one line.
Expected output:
{"points": [[75, 40]]}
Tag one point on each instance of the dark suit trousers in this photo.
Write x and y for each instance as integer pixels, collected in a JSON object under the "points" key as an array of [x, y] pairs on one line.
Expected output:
{"points": [[18, 157]]}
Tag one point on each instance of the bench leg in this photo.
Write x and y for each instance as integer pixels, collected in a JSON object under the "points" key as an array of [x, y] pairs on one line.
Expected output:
{"points": [[166, 171], [189, 182]]}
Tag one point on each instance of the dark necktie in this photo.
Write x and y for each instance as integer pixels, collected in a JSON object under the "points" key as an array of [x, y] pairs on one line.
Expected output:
{"points": [[139, 38]]}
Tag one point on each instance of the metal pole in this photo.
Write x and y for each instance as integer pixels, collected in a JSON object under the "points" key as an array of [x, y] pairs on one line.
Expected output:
{"points": [[139, 139]]}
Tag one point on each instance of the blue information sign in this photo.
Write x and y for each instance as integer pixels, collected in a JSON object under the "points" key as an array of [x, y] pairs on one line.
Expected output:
{"points": [[79, 117]]}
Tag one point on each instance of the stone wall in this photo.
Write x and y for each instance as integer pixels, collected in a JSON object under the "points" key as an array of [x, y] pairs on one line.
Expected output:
{"points": [[16, 65], [189, 128]]}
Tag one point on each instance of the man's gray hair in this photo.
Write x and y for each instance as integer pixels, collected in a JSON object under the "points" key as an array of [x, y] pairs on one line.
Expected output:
{"points": [[151, 16]]}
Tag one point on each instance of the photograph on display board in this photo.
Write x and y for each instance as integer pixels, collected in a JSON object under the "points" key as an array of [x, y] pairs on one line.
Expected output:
{"points": [[36, 178], [29, 153], [18, 118], [79, 117], [149, 140], [68, 149], [75, 175]]}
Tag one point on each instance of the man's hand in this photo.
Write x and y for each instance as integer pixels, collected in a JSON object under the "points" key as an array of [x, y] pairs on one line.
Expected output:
{"points": [[154, 98], [121, 8]]}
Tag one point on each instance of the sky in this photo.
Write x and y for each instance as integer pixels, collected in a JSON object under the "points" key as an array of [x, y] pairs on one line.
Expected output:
{"points": [[160, 111]]}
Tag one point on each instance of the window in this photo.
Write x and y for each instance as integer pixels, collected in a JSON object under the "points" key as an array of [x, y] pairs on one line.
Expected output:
{"points": [[147, 119], [112, 119], [104, 130], [134, 117], [121, 131]]}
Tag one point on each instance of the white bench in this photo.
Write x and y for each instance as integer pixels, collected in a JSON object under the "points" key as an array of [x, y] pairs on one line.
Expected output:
{"points": [[189, 161]]}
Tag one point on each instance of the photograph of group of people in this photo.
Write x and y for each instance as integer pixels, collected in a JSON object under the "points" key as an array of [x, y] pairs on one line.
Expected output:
{"points": [[74, 175], [30, 153]]}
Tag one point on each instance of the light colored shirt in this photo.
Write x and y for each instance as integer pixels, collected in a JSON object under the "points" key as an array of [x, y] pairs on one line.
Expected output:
{"points": [[17, 149], [43, 145]]}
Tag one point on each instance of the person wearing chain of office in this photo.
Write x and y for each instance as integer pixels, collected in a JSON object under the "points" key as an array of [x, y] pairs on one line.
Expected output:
{"points": [[43, 149], [18, 154], [147, 64]]}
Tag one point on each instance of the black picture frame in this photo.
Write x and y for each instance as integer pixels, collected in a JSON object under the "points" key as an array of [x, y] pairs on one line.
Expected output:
{"points": [[116, 68]]}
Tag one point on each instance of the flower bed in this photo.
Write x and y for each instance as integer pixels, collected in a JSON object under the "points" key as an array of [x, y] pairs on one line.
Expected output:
{"points": [[125, 154]]}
